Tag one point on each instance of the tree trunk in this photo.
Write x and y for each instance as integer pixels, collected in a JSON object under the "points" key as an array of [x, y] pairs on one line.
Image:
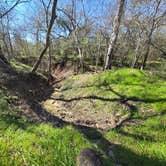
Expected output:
{"points": [[53, 17], [7, 49], [114, 35], [81, 60], [37, 41], [9, 37], [98, 56], [50, 59], [2, 58], [75, 27], [11, 46], [149, 39], [146, 55], [137, 54]]}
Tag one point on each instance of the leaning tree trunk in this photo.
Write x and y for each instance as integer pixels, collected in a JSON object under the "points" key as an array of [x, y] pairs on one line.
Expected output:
{"points": [[53, 17], [114, 35], [9, 38]]}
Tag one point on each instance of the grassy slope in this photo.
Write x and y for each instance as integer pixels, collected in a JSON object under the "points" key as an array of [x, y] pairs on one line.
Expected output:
{"points": [[144, 144], [25, 143]]}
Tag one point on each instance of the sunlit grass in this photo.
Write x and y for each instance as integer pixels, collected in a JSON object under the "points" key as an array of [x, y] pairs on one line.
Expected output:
{"points": [[148, 90], [143, 144]]}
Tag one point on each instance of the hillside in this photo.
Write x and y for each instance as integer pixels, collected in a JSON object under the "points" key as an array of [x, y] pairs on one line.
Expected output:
{"points": [[49, 125]]}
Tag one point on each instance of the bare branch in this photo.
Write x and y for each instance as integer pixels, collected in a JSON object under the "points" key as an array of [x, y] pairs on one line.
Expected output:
{"points": [[10, 9]]}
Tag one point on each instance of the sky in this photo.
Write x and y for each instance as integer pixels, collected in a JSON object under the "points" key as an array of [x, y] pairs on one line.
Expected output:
{"points": [[22, 15], [94, 7]]}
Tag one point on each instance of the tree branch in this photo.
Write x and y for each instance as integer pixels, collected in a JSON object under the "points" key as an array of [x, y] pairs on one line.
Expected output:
{"points": [[10, 9]]}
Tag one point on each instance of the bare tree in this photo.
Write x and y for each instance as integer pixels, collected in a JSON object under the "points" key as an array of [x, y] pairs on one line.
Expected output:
{"points": [[46, 10], [154, 24], [12, 7], [139, 39], [77, 24], [47, 43], [114, 35], [6, 36]]}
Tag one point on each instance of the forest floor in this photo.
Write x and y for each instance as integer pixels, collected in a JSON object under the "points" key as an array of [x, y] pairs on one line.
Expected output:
{"points": [[82, 110]]}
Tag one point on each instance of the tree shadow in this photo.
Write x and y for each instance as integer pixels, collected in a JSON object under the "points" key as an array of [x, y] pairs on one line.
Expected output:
{"points": [[16, 121], [126, 157], [121, 98], [141, 137]]}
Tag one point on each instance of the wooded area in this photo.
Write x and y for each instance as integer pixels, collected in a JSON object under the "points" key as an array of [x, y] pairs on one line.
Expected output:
{"points": [[83, 74], [84, 39]]}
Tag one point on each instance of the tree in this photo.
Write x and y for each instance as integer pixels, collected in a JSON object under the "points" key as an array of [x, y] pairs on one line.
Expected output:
{"points": [[5, 34], [114, 35], [12, 7], [46, 10], [155, 20], [47, 42], [74, 31]]}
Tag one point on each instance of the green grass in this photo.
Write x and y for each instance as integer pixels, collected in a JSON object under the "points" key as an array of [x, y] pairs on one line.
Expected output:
{"points": [[141, 145], [40, 145], [145, 91], [23, 68], [138, 145], [25, 143]]}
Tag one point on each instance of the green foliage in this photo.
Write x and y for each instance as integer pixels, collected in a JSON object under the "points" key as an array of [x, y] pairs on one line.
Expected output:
{"points": [[20, 67], [84, 42], [3, 101]]}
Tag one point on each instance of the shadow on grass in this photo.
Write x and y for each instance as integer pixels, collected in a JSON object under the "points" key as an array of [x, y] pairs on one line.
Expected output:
{"points": [[14, 120], [126, 157], [141, 137]]}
